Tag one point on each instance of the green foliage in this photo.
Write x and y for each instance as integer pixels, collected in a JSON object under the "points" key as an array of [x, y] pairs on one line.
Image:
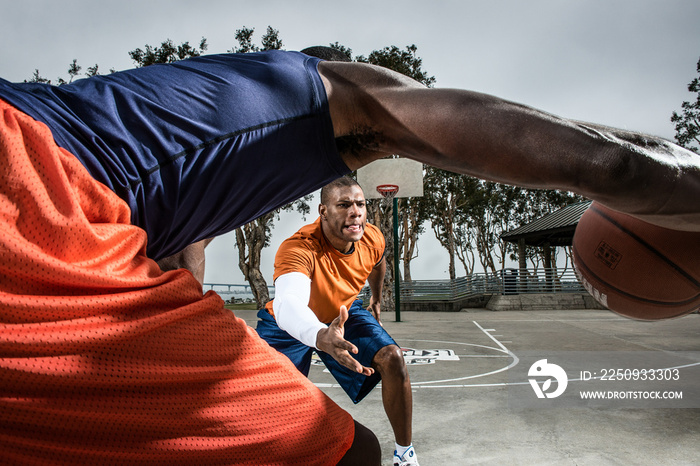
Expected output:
{"points": [[168, 52], [244, 37], [468, 216], [688, 122], [405, 62], [92, 71], [347, 51], [73, 72], [270, 40], [37, 78]]}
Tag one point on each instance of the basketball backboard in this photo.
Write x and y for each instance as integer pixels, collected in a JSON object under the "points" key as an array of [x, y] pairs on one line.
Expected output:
{"points": [[405, 173]]}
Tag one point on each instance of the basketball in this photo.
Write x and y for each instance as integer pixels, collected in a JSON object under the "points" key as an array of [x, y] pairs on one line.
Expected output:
{"points": [[637, 269]]}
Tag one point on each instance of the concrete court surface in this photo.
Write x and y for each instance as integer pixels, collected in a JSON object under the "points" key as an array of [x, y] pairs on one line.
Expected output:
{"points": [[465, 411]]}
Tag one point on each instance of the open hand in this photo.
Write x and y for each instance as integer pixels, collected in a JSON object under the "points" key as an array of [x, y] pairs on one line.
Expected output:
{"points": [[332, 340]]}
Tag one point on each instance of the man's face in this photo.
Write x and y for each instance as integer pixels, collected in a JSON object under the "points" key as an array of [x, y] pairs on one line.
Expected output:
{"points": [[344, 217]]}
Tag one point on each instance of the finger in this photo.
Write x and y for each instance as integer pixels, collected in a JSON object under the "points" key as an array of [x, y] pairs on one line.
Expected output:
{"points": [[366, 371], [352, 364], [342, 316], [339, 321], [347, 346]]}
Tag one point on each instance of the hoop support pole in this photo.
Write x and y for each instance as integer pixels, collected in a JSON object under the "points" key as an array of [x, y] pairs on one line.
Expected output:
{"points": [[397, 278]]}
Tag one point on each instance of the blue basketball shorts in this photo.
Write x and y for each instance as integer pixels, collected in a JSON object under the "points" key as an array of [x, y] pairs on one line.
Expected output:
{"points": [[361, 329]]}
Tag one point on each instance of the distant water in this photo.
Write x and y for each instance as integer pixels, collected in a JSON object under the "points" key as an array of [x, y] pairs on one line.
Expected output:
{"points": [[234, 291]]}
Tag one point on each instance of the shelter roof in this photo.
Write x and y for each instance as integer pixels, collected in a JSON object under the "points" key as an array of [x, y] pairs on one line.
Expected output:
{"points": [[556, 228]]}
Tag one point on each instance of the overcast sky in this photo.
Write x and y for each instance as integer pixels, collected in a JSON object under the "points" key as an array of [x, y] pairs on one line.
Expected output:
{"points": [[621, 63]]}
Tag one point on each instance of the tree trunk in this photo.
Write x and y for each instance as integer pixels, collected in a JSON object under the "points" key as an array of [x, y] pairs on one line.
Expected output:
{"points": [[549, 276], [451, 248], [379, 214], [250, 239], [410, 238], [522, 266], [258, 286]]}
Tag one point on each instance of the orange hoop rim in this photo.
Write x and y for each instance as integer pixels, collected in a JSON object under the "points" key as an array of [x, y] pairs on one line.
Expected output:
{"points": [[388, 190]]}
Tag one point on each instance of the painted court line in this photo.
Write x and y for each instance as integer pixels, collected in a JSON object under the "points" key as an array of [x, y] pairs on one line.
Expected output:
{"points": [[499, 348], [430, 384]]}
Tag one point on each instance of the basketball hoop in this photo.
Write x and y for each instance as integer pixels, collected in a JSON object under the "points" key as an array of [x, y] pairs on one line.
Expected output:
{"points": [[388, 191], [381, 180]]}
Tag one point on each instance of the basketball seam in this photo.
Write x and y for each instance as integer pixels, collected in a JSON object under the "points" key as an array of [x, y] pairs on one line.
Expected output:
{"points": [[648, 246]]}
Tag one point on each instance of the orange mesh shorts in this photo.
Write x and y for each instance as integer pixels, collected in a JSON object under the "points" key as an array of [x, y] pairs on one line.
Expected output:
{"points": [[105, 359]]}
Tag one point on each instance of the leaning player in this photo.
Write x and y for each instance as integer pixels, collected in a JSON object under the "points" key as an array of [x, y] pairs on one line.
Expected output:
{"points": [[319, 272], [105, 358]]}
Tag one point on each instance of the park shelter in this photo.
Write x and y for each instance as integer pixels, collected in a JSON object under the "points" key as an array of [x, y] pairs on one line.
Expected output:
{"points": [[554, 229]]}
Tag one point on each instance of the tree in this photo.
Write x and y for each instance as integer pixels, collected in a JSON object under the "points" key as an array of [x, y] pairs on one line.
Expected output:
{"points": [[519, 206], [411, 227], [468, 217], [168, 52], [252, 238], [255, 236], [405, 62], [37, 78], [478, 211], [270, 40], [445, 196], [688, 122], [73, 72]]}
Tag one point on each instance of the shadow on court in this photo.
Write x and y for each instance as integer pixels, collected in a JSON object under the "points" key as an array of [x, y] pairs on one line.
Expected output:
{"points": [[475, 403]]}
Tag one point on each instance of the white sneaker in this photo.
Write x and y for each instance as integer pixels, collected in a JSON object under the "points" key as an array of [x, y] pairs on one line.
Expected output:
{"points": [[407, 459]]}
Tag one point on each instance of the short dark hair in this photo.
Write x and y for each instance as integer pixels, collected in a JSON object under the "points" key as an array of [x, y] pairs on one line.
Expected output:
{"points": [[326, 53], [342, 182]]}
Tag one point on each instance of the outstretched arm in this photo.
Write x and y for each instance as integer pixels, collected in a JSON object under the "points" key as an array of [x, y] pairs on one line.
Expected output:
{"points": [[293, 315], [377, 112]]}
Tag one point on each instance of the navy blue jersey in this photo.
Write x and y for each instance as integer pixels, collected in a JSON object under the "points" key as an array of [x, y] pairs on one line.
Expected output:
{"points": [[196, 147]]}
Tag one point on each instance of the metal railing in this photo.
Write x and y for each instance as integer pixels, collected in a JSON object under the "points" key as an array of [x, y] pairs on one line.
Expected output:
{"points": [[540, 281], [477, 285], [506, 282]]}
